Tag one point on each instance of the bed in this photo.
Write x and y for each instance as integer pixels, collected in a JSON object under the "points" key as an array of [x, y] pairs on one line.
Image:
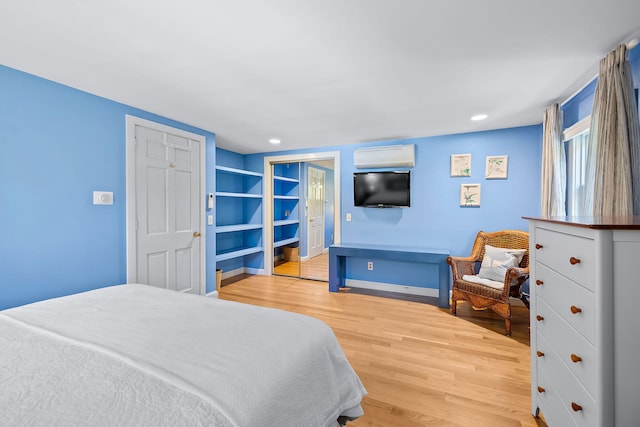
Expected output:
{"points": [[135, 355]]}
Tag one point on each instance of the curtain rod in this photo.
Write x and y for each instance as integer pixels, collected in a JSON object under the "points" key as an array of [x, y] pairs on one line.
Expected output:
{"points": [[632, 43]]}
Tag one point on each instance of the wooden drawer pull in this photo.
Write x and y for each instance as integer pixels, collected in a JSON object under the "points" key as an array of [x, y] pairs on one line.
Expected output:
{"points": [[575, 358], [576, 407], [541, 390], [539, 353], [574, 260], [539, 318], [575, 310], [539, 282], [539, 246]]}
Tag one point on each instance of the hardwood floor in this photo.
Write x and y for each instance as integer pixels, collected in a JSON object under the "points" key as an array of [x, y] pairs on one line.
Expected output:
{"points": [[421, 365]]}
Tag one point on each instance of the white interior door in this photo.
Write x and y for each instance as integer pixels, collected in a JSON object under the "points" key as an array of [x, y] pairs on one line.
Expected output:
{"points": [[315, 202], [167, 209]]}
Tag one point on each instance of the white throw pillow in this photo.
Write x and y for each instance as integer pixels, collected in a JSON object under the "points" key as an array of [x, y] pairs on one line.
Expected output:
{"points": [[497, 261]]}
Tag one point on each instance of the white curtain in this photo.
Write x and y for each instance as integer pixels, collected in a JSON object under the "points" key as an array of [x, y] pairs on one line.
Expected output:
{"points": [[554, 166], [613, 169]]}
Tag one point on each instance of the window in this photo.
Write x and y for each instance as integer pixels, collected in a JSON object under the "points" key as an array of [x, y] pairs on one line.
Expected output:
{"points": [[576, 140]]}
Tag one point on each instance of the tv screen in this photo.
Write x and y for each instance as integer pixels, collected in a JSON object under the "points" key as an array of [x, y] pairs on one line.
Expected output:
{"points": [[382, 189]]}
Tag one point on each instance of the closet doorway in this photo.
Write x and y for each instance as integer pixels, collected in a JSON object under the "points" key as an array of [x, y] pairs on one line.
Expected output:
{"points": [[302, 213]]}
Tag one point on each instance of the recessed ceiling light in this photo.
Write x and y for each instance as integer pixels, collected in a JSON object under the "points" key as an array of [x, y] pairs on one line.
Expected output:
{"points": [[274, 141], [479, 117]]}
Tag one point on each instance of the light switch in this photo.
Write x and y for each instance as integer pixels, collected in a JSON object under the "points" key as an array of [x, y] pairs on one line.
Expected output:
{"points": [[102, 198], [209, 219], [348, 217]]}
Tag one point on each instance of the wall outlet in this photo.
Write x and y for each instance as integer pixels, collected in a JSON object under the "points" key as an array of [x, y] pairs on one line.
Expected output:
{"points": [[370, 265], [102, 197]]}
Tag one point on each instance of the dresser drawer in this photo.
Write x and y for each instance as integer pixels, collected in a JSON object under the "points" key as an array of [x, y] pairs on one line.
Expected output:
{"points": [[568, 344], [554, 411], [568, 389], [571, 256], [575, 304]]}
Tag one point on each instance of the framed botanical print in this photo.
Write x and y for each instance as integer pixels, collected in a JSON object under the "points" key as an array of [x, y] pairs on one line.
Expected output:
{"points": [[460, 165], [496, 167], [469, 195]]}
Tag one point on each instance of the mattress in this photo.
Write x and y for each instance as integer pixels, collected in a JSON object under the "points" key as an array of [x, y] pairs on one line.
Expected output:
{"points": [[137, 355]]}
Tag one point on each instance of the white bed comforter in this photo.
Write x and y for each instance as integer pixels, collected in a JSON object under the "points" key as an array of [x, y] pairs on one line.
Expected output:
{"points": [[137, 355]]}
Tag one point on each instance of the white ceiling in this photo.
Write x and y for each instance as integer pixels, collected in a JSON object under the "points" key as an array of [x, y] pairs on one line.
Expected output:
{"points": [[320, 72]]}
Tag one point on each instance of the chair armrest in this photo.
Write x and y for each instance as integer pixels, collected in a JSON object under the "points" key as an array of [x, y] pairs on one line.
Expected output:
{"points": [[513, 279], [461, 266], [518, 273]]}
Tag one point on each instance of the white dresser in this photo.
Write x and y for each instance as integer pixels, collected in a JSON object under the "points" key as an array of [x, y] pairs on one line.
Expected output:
{"points": [[585, 320]]}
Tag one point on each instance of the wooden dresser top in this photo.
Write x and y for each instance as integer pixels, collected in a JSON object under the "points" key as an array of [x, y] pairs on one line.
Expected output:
{"points": [[595, 222]]}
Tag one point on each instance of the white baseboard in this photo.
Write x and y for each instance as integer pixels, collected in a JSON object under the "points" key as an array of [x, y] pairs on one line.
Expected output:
{"points": [[242, 270], [232, 273], [213, 294], [389, 287]]}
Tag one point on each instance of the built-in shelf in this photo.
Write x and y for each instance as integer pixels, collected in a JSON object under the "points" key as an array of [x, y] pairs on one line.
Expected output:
{"points": [[245, 195], [239, 208], [237, 171], [222, 256], [285, 222], [237, 227], [284, 178], [285, 242], [286, 209]]}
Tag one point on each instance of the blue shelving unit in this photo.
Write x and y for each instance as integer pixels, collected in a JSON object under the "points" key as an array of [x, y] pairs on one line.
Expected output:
{"points": [[286, 201], [238, 213]]}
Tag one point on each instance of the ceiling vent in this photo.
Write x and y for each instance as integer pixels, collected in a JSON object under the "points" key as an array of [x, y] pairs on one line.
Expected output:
{"points": [[385, 157]]}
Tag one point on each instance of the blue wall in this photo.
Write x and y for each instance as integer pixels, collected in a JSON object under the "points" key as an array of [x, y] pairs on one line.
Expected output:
{"points": [[58, 145], [435, 218], [579, 106]]}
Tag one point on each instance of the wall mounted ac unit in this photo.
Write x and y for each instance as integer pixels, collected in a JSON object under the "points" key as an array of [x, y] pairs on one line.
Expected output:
{"points": [[385, 157]]}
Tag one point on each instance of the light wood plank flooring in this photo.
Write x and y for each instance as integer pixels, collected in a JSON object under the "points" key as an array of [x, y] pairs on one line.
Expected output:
{"points": [[421, 365]]}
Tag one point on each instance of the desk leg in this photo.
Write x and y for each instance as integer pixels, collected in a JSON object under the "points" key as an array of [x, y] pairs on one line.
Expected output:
{"points": [[336, 271], [443, 285]]}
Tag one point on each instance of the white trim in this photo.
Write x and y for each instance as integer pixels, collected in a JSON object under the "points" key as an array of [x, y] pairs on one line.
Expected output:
{"points": [[577, 128], [131, 123], [267, 195], [242, 270], [213, 294], [390, 287], [232, 273], [595, 76]]}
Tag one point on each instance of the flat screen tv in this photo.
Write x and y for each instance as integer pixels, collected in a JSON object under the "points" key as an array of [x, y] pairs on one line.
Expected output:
{"points": [[382, 189]]}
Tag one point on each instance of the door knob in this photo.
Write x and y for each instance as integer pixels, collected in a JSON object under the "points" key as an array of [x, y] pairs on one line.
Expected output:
{"points": [[196, 234]]}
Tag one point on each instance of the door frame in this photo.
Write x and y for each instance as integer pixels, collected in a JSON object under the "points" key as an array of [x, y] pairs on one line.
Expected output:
{"points": [[131, 196], [268, 197], [308, 226]]}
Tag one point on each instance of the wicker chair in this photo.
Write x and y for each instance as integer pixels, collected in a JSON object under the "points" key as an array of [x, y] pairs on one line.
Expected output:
{"points": [[481, 296]]}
